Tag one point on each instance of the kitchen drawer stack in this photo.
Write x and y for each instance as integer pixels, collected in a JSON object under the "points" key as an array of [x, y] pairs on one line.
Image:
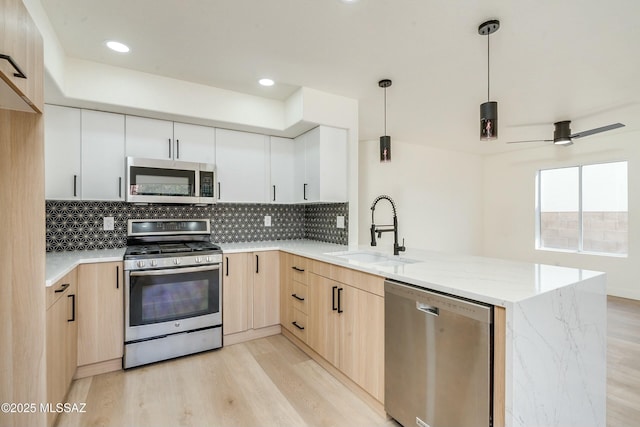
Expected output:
{"points": [[294, 294]]}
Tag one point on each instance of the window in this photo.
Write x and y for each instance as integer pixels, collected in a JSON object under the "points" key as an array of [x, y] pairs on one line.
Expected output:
{"points": [[583, 209]]}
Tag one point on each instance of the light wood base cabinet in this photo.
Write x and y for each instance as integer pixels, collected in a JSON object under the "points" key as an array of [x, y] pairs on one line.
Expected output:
{"points": [[294, 294], [339, 314], [250, 294], [62, 343], [346, 327], [100, 315]]}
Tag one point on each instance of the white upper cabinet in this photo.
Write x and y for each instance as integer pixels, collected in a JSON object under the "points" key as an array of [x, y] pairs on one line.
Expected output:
{"points": [[149, 138], [162, 139], [241, 159], [62, 153], [194, 143], [282, 170], [103, 168], [321, 165]]}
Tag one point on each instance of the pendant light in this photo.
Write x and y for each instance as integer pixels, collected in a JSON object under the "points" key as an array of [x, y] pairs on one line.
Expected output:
{"points": [[489, 109], [385, 141]]}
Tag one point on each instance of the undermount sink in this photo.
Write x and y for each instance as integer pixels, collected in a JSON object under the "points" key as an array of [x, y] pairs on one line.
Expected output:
{"points": [[373, 258]]}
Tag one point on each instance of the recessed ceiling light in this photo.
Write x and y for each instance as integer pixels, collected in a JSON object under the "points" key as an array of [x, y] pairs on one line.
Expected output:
{"points": [[117, 46], [349, 1], [266, 82]]}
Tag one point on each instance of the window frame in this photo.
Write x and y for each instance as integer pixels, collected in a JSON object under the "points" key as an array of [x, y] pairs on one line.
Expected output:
{"points": [[538, 212]]}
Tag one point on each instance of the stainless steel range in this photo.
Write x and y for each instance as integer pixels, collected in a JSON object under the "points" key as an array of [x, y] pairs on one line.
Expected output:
{"points": [[173, 290]]}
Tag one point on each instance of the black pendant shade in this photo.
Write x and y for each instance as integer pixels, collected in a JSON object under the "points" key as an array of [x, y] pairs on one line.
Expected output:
{"points": [[488, 120], [385, 148]]}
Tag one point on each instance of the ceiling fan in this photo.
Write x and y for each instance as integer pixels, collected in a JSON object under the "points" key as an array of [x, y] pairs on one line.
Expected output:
{"points": [[562, 133]]}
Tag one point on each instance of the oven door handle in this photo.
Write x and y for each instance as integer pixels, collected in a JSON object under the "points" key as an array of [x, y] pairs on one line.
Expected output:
{"points": [[174, 270]]}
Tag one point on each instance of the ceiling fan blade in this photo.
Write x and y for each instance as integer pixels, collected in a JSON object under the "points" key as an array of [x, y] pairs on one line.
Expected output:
{"points": [[597, 130], [531, 140]]}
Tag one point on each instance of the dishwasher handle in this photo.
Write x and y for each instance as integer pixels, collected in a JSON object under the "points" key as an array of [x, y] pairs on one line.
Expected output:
{"points": [[428, 309]]}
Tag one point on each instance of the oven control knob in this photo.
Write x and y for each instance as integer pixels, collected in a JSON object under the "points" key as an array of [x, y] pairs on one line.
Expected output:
{"points": [[154, 263], [176, 261], [177, 324], [198, 260], [208, 259], [140, 264]]}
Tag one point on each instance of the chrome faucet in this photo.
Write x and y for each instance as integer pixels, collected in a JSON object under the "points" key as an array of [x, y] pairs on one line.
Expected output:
{"points": [[386, 228]]}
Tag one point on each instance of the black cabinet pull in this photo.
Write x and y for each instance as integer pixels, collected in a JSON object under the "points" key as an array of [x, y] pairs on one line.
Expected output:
{"points": [[18, 72], [120, 187], [62, 288], [297, 297], [257, 264], [333, 298], [301, 270], [177, 148], [169, 147], [117, 277], [227, 272], [297, 326], [304, 191], [75, 185], [339, 300], [73, 307], [219, 191], [274, 193]]}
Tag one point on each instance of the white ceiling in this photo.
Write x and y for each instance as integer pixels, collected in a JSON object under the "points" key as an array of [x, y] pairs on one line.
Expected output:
{"points": [[551, 60]]}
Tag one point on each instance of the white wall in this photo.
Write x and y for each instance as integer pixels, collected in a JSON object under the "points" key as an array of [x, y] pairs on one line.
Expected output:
{"points": [[509, 207], [438, 195]]}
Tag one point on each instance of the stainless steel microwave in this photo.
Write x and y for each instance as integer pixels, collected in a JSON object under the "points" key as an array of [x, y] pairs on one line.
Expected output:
{"points": [[168, 181]]}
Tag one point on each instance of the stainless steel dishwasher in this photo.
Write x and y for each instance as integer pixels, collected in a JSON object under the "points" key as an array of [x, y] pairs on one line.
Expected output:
{"points": [[438, 358]]}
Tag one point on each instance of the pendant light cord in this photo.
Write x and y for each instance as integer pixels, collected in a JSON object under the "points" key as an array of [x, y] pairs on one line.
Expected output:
{"points": [[385, 111], [488, 68]]}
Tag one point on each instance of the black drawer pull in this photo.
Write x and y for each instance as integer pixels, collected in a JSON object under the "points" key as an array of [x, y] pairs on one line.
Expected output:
{"points": [[297, 297], [73, 307], [333, 298], [18, 72], [339, 300], [297, 326], [117, 277], [301, 270], [62, 288]]}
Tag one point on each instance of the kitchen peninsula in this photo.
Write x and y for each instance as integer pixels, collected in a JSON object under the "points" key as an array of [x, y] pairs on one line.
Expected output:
{"points": [[550, 325], [554, 336]]}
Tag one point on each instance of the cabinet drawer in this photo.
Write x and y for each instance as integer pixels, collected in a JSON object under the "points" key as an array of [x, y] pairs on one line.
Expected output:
{"points": [[300, 269], [299, 322], [55, 291], [299, 297]]}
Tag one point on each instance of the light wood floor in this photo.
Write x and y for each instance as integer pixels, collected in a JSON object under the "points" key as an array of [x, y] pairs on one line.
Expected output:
{"points": [[265, 382], [270, 382], [623, 362]]}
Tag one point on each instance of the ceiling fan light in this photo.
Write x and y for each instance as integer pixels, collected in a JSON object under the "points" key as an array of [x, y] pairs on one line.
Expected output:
{"points": [[488, 121], [563, 141]]}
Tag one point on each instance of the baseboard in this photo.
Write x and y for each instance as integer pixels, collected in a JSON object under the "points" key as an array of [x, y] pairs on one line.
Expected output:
{"points": [[98, 368], [251, 334], [625, 293], [373, 403]]}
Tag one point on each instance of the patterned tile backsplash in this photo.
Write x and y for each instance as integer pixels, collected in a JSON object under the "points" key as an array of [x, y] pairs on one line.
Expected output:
{"points": [[74, 225]]}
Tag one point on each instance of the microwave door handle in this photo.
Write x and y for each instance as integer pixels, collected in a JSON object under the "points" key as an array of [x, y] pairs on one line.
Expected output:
{"points": [[174, 270]]}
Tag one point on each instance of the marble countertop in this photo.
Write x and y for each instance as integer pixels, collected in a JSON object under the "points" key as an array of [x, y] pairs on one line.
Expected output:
{"points": [[494, 281], [60, 263]]}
